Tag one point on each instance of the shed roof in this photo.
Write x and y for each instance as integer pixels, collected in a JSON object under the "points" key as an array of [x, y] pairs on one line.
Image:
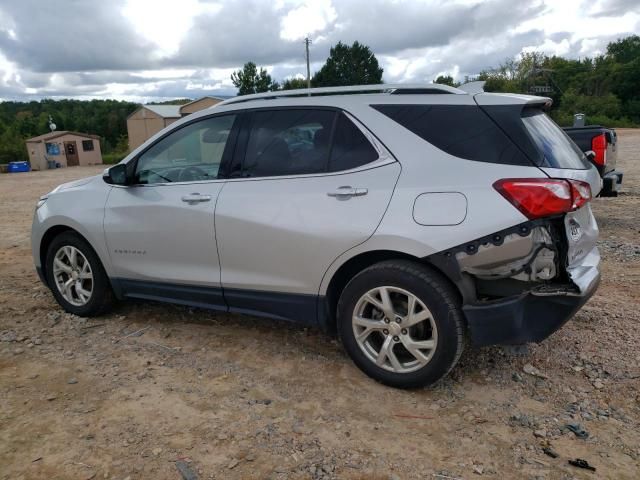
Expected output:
{"points": [[166, 111], [52, 135], [203, 98]]}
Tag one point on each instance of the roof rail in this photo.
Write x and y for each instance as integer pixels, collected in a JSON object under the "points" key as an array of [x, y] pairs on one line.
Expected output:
{"points": [[428, 88]]}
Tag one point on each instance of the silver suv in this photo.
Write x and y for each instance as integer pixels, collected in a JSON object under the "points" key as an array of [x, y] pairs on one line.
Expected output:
{"points": [[402, 218]]}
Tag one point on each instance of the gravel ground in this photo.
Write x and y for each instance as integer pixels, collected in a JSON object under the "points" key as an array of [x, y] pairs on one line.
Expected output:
{"points": [[151, 390]]}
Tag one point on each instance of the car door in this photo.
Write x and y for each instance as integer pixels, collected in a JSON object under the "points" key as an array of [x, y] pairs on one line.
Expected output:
{"points": [[160, 230], [313, 184]]}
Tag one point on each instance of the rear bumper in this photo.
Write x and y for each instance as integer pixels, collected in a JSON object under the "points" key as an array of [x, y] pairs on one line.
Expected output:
{"points": [[611, 183], [532, 316]]}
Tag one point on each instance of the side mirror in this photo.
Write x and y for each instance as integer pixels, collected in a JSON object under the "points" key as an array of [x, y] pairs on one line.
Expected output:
{"points": [[591, 155], [116, 175]]}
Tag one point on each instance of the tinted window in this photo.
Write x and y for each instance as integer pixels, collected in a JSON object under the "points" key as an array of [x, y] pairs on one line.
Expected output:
{"points": [[288, 142], [558, 149], [464, 131], [189, 154], [351, 148]]}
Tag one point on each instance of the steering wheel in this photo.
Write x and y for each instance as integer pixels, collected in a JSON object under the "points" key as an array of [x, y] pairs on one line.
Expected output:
{"points": [[192, 173]]}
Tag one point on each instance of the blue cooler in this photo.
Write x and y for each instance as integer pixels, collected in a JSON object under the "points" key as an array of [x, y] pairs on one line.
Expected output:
{"points": [[15, 167]]}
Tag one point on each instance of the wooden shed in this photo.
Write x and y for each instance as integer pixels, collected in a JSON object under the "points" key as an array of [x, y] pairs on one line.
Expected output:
{"points": [[64, 147], [199, 104], [148, 120]]}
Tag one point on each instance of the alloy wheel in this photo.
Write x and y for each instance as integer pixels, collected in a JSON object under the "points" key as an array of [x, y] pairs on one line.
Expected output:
{"points": [[73, 275], [394, 329]]}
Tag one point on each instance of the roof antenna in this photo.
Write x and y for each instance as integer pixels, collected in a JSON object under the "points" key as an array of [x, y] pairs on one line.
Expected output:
{"points": [[52, 125]]}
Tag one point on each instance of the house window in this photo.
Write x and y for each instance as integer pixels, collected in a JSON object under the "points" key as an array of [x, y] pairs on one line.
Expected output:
{"points": [[52, 149], [87, 145]]}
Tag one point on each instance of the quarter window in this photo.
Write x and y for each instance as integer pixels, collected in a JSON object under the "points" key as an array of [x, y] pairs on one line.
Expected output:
{"points": [[351, 148], [463, 131], [191, 153]]}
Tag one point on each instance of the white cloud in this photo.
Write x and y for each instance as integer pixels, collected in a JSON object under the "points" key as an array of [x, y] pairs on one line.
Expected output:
{"points": [[163, 22], [160, 49], [310, 17]]}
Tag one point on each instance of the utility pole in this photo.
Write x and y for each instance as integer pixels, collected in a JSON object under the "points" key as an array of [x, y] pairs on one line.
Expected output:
{"points": [[307, 42]]}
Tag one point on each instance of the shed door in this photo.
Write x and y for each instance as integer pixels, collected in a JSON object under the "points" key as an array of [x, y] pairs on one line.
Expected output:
{"points": [[71, 151]]}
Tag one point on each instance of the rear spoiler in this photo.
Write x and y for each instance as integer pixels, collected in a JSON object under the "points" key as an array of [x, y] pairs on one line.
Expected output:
{"points": [[473, 87]]}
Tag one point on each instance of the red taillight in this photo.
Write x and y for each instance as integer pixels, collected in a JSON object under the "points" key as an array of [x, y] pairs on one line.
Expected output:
{"points": [[599, 146], [580, 193], [542, 197]]}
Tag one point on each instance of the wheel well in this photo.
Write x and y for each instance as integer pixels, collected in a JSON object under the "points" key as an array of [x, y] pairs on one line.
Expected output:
{"points": [[47, 238], [355, 265]]}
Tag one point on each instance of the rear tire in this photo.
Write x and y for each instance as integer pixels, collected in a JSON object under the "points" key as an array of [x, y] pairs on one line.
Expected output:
{"points": [[76, 276], [401, 323]]}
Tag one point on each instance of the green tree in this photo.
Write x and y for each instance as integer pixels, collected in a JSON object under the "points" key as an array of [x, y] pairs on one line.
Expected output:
{"points": [[515, 75], [294, 84], [605, 105], [445, 80], [625, 74], [349, 65], [22, 120], [12, 146], [251, 80], [625, 50]]}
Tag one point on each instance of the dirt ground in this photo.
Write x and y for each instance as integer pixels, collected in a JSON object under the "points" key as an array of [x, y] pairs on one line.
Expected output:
{"points": [[152, 388]]}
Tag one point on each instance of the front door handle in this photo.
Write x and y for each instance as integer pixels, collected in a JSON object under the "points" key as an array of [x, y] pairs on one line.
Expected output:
{"points": [[195, 198], [348, 191]]}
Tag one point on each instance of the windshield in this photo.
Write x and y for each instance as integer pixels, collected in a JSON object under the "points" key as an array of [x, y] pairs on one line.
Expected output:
{"points": [[558, 149]]}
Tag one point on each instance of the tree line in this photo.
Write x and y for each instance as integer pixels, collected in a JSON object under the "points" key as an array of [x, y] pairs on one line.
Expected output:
{"points": [[606, 88], [22, 120], [346, 65]]}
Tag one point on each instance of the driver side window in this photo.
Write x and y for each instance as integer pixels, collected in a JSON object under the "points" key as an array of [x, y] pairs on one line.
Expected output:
{"points": [[192, 153]]}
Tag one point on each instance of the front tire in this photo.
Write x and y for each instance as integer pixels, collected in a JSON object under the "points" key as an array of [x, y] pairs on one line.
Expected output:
{"points": [[401, 323], [76, 276]]}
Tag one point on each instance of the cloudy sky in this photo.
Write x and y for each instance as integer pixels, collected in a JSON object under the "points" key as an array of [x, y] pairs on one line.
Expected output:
{"points": [[149, 50]]}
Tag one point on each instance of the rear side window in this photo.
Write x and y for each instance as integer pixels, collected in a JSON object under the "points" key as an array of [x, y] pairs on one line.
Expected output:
{"points": [[304, 141], [552, 142], [463, 131], [351, 148], [288, 142]]}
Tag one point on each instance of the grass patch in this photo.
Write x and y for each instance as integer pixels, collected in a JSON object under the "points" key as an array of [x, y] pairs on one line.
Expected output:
{"points": [[113, 158]]}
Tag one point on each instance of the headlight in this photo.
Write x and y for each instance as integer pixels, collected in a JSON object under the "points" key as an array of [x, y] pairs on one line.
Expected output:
{"points": [[41, 202]]}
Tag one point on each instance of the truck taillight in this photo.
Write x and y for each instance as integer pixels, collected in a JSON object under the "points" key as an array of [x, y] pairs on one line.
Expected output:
{"points": [[599, 146], [542, 197]]}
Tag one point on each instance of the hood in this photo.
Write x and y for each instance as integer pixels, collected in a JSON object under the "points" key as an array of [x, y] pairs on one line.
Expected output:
{"points": [[74, 184]]}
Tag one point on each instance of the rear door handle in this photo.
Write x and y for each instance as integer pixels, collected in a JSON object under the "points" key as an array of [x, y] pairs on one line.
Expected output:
{"points": [[195, 198], [348, 191]]}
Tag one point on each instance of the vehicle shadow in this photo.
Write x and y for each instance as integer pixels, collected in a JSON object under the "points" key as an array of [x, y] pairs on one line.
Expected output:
{"points": [[195, 325]]}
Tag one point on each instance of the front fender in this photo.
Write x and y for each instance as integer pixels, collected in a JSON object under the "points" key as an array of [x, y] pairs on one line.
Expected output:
{"points": [[80, 209]]}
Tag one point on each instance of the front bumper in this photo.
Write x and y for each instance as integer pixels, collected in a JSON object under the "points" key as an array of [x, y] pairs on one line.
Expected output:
{"points": [[533, 316]]}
